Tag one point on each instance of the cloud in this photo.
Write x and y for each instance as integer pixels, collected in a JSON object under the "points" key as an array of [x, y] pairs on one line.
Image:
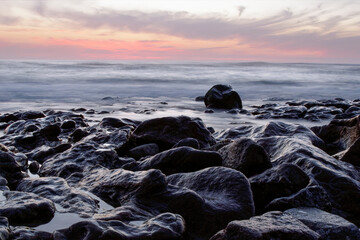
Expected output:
{"points": [[8, 20], [241, 9]]}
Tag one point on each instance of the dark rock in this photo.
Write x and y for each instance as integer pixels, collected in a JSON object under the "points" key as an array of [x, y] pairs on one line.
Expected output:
{"points": [[280, 181], [69, 124], [209, 111], [188, 142], [352, 154], [31, 128], [34, 167], [32, 115], [25, 233], [145, 150], [56, 189], [245, 156], [272, 225], [182, 159], [51, 132], [118, 123], [3, 148], [78, 134], [327, 225], [44, 153], [200, 98], [79, 158], [10, 169], [166, 226], [4, 228], [26, 208], [3, 184], [9, 118], [233, 111], [222, 96], [339, 134], [78, 109], [226, 193], [167, 131]]}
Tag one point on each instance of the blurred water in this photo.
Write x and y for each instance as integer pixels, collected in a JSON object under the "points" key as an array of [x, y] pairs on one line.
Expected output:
{"points": [[79, 81]]}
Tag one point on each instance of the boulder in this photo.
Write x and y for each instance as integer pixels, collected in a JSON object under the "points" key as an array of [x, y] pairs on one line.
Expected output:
{"points": [[280, 181], [271, 225], [352, 154], [166, 226], [245, 156], [168, 131], [182, 159], [68, 199], [188, 142], [222, 96], [327, 225], [25, 233], [145, 150], [10, 169], [22, 208]]}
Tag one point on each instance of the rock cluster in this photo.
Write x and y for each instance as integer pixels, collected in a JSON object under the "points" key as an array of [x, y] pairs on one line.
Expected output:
{"points": [[170, 178]]}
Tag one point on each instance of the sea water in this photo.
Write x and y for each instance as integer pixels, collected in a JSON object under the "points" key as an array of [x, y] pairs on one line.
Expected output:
{"points": [[138, 89]]}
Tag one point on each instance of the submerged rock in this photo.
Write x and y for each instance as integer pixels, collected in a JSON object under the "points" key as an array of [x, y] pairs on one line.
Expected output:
{"points": [[271, 225], [222, 96]]}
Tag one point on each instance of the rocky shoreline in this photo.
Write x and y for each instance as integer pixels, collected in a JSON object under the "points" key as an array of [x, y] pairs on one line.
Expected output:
{"points": [[174, 178]]}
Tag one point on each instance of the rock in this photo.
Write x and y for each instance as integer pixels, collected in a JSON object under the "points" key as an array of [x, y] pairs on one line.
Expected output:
{"points": [[69, 124], [209, 111], [226, 193], [81, 157], [26, 208], [245, 156], [200, 98], [34, 167], [166, 226], [10, 170], [352, 154], [188, 142], [4, 228], [118, 123], [3, 184], [327, 225], [77, 135], [56, 189], [32, 115], [51, 132], [222, 96], [25, 233], [44, 153], [280, 181], [167, 131], [182, 159], [339, 134], [145, 150], [271, 225]]}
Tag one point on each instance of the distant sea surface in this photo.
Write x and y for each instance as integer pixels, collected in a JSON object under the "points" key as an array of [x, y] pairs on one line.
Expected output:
{"points": [[78, 81]]}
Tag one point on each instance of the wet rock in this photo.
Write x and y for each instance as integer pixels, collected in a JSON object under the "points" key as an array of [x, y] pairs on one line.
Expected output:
{"points": [[117, 123], [4, 228], [8, 117], [245, 156], [310, 196], [271, 225], [200, 98], [145, 150], [339, 134], [209, 111], [167, 131], [79, 158], [280, 181], [57, 190], [166, 226], [222, 96], [69, 124], [77, 135], [25, 233], [182, 159], [226, 194], [26, 208], [327, 225], [34, 167], [352, 154], [42, 154], [51, 132], [32, 115], [3, 184], [188, 142], [10, 169]]}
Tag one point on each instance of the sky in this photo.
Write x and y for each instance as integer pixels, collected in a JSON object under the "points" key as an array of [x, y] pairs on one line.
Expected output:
{"points": [[324, 31]]}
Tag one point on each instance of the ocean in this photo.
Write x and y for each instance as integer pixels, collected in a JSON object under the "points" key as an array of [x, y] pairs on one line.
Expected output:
{"points": [[134, 87]]}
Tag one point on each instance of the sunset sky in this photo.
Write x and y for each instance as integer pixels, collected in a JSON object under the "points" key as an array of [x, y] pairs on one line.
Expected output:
{"points": [[213, 30]]}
